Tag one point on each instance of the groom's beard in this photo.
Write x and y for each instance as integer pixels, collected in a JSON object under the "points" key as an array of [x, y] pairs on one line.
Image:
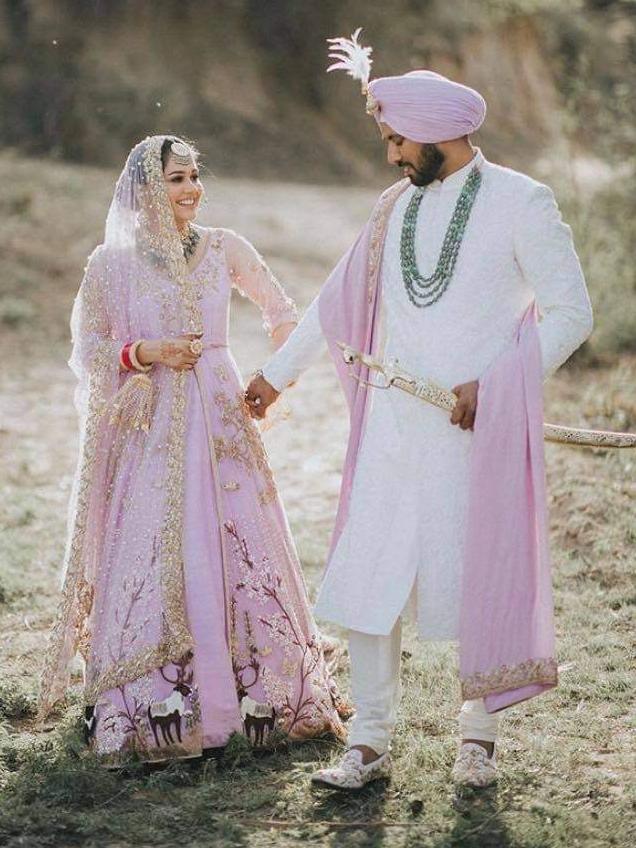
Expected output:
{"points": [[427, 167]]}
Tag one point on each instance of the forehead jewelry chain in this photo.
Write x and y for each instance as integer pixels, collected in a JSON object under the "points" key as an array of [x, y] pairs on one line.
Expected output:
{"points": [[425, 291]]}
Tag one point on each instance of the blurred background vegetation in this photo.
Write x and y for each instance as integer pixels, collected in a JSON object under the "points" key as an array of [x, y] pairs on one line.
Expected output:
{"points": [[82, 80]]}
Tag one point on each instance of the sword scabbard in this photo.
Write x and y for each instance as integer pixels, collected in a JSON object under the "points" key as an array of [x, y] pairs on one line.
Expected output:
{"points": [[428, 391]]}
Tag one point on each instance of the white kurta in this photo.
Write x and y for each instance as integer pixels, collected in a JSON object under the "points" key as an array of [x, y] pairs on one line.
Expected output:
{"points": [[408, 504]]}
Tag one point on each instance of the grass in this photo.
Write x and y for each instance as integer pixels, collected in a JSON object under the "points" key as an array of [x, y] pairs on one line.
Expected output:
{"points": [[567, 760]]}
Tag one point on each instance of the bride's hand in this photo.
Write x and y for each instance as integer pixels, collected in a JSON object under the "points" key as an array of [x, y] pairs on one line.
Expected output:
{"points": [[173, 353]]}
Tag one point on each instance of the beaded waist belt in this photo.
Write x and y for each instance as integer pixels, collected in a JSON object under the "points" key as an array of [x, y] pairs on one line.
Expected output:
{"points": [[428, 391]]}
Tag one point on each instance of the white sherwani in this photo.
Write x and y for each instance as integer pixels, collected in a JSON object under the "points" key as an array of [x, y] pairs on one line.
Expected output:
{"points": [[407, 514]]}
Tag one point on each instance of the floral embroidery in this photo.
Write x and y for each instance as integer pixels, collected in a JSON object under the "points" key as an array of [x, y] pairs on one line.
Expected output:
{"points": [[280, 309], [221, 373], [268, 494], [244, 445], [509, 677], [300, 697]]}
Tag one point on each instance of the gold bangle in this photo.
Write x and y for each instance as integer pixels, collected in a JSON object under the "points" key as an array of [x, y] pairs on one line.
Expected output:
{"points": [[132, 353]]}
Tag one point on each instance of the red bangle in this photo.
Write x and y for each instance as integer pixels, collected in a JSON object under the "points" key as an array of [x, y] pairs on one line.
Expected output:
{"points": [[124, 358]]}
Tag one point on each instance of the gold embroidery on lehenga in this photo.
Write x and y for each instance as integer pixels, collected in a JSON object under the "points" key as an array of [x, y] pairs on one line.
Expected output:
{"points": [[76, 601], [244, 445], [221, 373], [508, 677]]}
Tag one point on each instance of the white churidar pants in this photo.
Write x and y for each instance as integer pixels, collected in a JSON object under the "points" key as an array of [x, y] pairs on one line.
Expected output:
{"points": [[375, 685]]}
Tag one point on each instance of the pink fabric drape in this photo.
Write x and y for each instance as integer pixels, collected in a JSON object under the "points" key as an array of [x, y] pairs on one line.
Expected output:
{"points": [[348, 305], [506, 620]]}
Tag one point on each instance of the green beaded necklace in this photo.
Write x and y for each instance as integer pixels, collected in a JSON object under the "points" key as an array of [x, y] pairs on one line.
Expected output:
{"points": [[425, 291]]}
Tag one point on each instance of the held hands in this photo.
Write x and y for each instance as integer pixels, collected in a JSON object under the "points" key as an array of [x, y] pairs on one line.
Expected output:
{"points": [[466, 406], [259, 395], [173, 353]]}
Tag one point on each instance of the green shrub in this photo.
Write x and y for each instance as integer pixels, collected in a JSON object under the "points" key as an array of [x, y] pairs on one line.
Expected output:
{"points": [[17, 699]]}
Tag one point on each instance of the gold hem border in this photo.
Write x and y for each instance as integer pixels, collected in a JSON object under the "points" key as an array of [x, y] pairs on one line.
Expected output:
{"points": [[505, 678], [150, 659]]}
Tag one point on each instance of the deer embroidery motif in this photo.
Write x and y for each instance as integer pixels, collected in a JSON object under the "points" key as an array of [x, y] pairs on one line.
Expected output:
{"points": [[258, 718], [165, 714]]}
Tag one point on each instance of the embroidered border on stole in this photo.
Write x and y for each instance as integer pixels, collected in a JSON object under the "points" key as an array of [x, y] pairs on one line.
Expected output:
{"points": [[77, 594], [506, 678], [379, 223]]}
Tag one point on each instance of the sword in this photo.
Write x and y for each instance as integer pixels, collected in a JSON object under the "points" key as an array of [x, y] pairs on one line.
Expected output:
{"points": [[430, 392]]}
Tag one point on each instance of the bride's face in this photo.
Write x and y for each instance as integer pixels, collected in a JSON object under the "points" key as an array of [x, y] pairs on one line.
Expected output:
{"points": [[184, 190]]}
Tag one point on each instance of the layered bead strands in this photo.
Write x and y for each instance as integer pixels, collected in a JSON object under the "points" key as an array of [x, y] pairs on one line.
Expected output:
{"points": [[425, 291]]}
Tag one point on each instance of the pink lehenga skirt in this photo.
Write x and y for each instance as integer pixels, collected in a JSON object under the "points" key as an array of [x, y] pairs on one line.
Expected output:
{"points": [[258, 665]]}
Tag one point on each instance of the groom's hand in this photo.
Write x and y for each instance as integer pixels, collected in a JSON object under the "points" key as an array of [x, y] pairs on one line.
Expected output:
{"points": [[466, 406], [259, 395]]}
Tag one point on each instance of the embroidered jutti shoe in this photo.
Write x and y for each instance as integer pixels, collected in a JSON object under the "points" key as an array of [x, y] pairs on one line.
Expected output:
{"points": [[351, 773], [473, 767]]}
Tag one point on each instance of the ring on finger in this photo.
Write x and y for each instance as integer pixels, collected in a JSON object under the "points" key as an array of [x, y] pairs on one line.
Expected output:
{"points": [[196, 347]]}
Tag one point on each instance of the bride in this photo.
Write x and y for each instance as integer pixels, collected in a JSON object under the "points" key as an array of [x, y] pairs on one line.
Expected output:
{"points": [[182, 591]]}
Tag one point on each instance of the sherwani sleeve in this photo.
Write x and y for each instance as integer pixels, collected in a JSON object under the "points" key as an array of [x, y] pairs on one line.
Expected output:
{"points": [[545, 253], [302, 347], [252, 278]]}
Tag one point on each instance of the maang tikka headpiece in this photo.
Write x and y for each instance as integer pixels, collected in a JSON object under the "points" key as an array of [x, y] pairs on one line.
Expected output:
{"points": [[181, 153], [356, 60]]}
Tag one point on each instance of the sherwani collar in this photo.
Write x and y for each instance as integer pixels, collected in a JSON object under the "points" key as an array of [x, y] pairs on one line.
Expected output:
{"points": [[454, 182]]}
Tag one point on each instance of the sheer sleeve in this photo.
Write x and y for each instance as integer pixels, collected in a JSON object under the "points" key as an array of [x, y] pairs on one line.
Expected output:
{"points": [[252, 278]]}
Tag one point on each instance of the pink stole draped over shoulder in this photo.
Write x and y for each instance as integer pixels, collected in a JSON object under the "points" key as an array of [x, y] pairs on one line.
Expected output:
{"points": [[506, 620], [348, 306]]}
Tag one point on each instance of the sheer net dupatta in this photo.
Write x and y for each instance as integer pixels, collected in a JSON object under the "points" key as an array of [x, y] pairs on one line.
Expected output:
{"points": [[122, 605]]}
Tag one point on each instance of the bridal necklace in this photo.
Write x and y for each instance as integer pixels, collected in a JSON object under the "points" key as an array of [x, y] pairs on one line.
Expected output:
{"points": [[425, 291], [189, 242]]}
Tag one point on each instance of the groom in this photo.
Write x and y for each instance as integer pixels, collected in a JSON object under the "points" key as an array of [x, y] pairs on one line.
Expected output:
{"points": [[446, 518]]}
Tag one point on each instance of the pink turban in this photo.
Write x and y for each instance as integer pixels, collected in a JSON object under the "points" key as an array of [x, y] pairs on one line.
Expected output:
{"points": [[426, 107]]}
